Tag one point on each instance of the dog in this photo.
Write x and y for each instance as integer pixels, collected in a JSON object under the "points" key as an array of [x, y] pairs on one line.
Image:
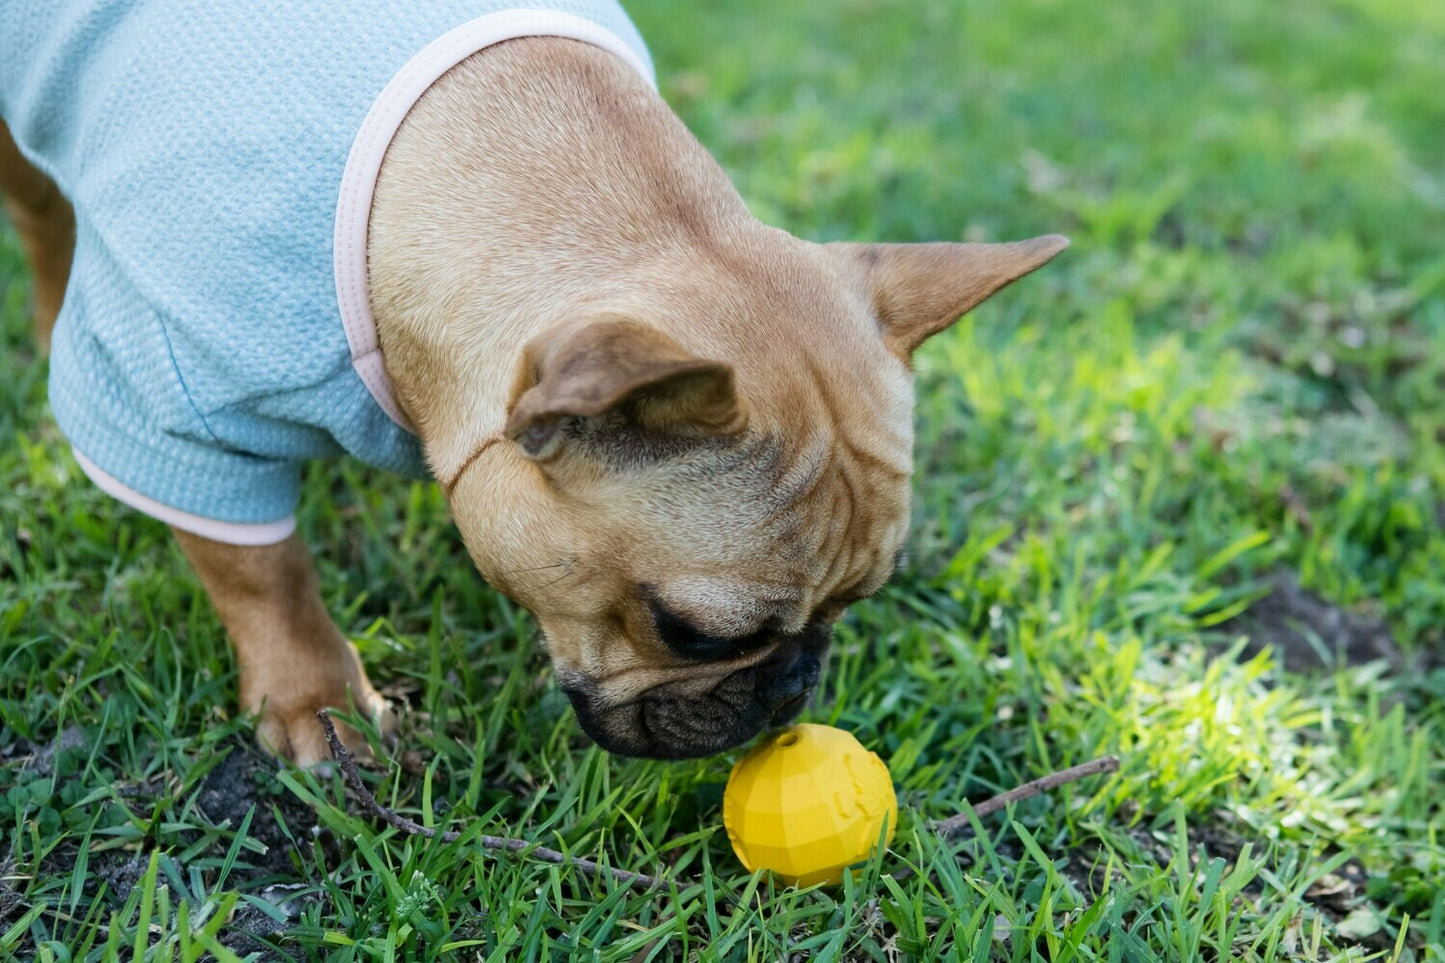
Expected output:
{"points": [[681, 438]]}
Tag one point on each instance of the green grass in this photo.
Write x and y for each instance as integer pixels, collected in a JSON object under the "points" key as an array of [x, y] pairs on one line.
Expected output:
{"points": [[1229, 394]]}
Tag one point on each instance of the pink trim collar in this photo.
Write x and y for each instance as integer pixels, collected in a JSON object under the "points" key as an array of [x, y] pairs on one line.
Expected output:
{"points": [[353, 208]]}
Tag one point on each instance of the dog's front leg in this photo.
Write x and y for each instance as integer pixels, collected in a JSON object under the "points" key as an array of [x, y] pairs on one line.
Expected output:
{"points": [[292, 658]]}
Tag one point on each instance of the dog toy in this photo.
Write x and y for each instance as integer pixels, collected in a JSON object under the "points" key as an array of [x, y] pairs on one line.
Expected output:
{"points": [[807, 804]]}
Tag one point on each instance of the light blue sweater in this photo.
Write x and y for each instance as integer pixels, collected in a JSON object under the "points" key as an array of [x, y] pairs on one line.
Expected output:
{"points": [[200, 356]]}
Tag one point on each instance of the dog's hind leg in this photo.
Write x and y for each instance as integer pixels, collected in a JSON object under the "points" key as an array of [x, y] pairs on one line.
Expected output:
{"points": [[292, 658], [46, 224]]}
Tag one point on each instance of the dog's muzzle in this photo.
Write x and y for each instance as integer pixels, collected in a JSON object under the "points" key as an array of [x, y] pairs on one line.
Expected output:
{"points": [[670, 722]]}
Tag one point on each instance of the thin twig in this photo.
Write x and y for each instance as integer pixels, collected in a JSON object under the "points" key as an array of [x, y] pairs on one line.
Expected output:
{"points": [[955, 824], [368, 801], [944, 827], [951, 825]]}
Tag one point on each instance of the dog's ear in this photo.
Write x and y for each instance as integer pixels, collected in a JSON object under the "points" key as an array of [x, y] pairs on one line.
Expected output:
{"points": [[919, 289], [618, 365]]}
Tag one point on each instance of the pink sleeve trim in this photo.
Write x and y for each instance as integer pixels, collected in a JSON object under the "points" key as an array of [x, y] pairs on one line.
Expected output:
{"points": [[231, 533], [363, 164]]}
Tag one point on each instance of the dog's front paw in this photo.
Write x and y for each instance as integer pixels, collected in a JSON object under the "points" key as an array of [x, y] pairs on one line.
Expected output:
{"points": [[295, 733], [287, 702]]}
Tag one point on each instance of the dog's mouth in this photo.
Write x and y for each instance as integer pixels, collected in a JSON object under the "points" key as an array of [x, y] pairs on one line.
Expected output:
{"points": [[671, 722]]}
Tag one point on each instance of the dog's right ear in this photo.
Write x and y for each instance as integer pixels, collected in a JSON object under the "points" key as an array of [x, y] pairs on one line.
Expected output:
{"points": [[917, 290], [618, 365]]}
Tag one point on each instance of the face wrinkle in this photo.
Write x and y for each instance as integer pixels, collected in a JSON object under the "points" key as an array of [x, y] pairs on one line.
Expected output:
{"points": [[840, 459], [643, 712], [666, 725], [673, 708]]}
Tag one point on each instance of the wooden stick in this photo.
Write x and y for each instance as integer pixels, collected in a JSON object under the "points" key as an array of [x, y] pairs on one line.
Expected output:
{"points": [[954, 824], [944, 827], [368, 801], [951, 825]]}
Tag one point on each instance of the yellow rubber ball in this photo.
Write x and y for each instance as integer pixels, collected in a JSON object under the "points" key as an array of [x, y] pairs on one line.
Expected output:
{"points": [[808, 803]]}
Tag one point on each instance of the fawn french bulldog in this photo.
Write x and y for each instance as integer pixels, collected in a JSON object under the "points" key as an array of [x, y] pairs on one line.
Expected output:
{"points": [[682, 439]]}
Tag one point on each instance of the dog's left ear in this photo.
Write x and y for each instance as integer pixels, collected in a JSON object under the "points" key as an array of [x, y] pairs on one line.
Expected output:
{"points": [[616, 364], [919, 289]]}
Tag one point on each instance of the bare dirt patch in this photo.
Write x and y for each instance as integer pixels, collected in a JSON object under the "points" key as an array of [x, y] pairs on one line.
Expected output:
{"points": [[271, 869], [1311, 634]]}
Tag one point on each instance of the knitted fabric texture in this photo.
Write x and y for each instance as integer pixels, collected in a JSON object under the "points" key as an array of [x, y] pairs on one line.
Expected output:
{"points": [[200, 356]]}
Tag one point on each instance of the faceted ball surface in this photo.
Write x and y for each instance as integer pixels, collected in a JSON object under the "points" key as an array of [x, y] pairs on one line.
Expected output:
{"points": [[807, 803]]}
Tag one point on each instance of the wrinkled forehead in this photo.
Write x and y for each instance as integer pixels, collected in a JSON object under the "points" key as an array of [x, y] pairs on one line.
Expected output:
{"points": [[794, 524]]}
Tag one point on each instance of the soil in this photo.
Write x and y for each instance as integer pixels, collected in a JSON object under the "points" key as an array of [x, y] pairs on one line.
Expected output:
{"points": [[243, 779], [1309, 634]]}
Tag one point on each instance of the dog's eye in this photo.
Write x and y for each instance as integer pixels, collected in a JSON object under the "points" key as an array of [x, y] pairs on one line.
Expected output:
{"points": [[687, 640]]}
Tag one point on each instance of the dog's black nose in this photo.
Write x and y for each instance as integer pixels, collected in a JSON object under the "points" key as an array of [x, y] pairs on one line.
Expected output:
{"points": [[784, 693], [786, 712], [675, 721]]}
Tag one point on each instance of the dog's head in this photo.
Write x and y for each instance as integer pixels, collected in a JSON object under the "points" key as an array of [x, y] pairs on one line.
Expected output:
{"points": [[687, 513]]}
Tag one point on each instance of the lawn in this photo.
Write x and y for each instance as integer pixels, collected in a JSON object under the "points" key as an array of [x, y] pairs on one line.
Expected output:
{"points": [[1180, 498]]}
